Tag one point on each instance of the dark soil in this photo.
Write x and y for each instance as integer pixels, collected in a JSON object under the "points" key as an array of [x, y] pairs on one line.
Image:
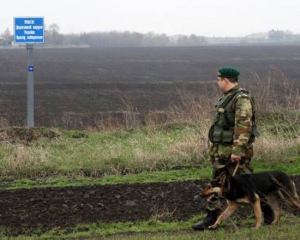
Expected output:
{"points": [[48, 208], [64, 207]]}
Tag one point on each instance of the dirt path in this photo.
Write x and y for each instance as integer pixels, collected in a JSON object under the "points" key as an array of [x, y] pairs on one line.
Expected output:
{"points": [[48, 208], [64, 207]]}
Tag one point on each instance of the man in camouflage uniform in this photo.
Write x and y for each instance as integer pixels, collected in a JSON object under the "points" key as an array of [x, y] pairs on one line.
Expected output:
{"points": [[232, 135]]}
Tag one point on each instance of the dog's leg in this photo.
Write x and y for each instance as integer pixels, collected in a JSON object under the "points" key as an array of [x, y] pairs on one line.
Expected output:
{"points": [[257, 212], [230, 209], [276, 211], [272, 200]]}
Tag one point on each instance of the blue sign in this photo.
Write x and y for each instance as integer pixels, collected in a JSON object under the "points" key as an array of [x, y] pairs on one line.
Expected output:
{"points": [[30, 68], [29, 30]]}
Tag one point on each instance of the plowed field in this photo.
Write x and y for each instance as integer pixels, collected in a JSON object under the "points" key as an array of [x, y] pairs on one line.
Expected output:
{"points": [[49, 208], [78, 87]]}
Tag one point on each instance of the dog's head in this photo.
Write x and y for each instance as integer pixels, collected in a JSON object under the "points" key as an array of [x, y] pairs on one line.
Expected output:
{"points": [[214, 186]]}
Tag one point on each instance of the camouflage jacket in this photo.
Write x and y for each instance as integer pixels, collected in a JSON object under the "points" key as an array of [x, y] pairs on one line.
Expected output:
{"points": [[242, 107]]}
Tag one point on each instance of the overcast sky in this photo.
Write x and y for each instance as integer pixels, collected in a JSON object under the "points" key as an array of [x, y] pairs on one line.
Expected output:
{"points": [[210, 18]]}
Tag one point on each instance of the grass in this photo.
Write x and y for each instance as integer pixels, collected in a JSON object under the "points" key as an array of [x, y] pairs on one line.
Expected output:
{"points": [[170, 152], [99, 154], [173, 152], [154, 176], [287, 228]]}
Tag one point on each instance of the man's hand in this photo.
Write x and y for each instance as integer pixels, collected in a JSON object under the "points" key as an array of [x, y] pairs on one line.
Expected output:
{"points": [[235, 158]]}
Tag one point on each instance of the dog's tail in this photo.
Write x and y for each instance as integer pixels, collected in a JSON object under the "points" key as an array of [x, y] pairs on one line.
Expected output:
{"points": [[288, 194]]}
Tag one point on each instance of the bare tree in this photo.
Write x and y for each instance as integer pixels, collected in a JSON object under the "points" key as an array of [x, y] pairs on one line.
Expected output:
{"points": [[52, 34], [7, 36]]}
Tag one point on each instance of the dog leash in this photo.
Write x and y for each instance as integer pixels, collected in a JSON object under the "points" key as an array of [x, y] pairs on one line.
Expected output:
{"points": [[236, 168]]}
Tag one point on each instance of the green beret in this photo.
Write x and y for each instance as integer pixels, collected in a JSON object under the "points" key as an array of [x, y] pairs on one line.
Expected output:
{"points": [[228, 72]]}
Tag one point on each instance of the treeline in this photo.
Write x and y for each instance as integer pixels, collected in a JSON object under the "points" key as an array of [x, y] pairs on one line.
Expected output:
{"points": [[123, 39], [53, 37]]}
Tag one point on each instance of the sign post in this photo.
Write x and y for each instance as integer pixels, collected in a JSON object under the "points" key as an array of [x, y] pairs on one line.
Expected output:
{"points": [[30, 86], [29, 30]]}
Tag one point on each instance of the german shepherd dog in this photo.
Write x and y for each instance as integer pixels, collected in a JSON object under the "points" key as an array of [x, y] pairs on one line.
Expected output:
{"points": [[270, 186]]}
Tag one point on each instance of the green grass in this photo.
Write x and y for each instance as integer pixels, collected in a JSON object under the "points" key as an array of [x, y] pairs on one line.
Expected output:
{"points": [[192, 173], [154, 176], [233, 229], [98, 154]]}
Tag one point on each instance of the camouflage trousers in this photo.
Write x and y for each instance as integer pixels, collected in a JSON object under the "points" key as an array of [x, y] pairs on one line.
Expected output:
{"points": [[221, 168]]}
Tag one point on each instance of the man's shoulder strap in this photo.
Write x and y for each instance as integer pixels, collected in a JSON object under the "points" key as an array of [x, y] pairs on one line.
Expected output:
{"points": [[242, 92], [233, 95]]}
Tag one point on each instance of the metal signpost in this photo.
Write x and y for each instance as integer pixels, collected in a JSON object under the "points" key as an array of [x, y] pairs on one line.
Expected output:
{"points": [[29, 30]]}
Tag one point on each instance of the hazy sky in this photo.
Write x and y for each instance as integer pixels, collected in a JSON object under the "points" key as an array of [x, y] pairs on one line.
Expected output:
{"points": [[201, 17]]}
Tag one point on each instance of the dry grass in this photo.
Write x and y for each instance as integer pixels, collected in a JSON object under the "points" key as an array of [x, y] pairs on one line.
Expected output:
{"points": [[274, 92], [277, 151]]}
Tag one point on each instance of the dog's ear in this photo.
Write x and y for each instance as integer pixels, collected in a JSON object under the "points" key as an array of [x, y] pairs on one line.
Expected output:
{"points": [[224, 180], [213, 183], [217, 180]]}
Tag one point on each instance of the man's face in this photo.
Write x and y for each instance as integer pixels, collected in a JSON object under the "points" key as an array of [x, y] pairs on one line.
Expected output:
{"points": [[222, 83]]}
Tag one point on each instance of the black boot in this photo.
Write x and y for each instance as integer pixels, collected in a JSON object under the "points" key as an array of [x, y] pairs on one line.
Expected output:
{"points": [[209, 220], [269, 215]]}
